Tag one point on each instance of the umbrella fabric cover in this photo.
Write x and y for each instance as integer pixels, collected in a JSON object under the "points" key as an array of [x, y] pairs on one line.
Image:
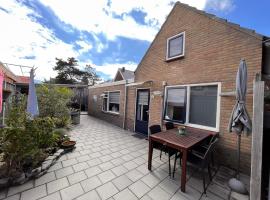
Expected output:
{"points": [[240, 121], [32, 104]]}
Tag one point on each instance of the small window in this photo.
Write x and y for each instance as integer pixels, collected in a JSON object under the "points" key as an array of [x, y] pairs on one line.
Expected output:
{"points": [[175, 108], [105, 102], [111, 102], [114, 101], [176, 46]]}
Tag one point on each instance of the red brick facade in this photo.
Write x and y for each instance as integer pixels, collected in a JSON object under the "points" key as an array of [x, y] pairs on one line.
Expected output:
{"points": [[213, 49]]}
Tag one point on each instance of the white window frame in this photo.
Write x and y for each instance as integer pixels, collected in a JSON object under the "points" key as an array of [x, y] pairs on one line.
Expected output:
{"points": [[183, 52], [108, 101], [218, 84]]}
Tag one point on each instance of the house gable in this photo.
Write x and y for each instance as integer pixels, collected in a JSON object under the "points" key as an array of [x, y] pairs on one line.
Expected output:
{"points": [[205, 33]]}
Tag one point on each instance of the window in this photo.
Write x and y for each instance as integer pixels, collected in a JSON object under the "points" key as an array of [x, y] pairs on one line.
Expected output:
{"points": [[175, 109], [111, 102], [194, 105], [203, 105], [176, 46]]}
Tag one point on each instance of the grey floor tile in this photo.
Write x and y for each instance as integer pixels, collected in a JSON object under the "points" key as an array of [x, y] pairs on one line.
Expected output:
{"points": [[14, 197], [83, 158], [34, 193], [77, 177], [118, 171], [56, 166], [93, 171], [80, 166], [159, 194], [54, 196], [122, 182], [139, 188], [106, 176], [71, 192], [169, 185], [125, 195], [106, 166], [107, 190], [91, 183], [20, 188], [92, 195], [57, 185], [69, 162], [134, 175], [151, 180], [45, 179], [64, 172]]}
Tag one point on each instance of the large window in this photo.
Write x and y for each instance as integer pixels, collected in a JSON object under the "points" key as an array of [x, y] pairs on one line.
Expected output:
{"points": [[176, 46], [195, 105], [111, 102]]}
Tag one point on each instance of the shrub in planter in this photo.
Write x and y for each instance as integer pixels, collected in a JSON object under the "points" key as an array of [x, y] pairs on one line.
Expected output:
{"points": [[53, 102]]}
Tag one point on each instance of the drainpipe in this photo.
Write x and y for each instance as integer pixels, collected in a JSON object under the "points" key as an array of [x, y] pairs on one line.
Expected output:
{"points": [[125, 106]]}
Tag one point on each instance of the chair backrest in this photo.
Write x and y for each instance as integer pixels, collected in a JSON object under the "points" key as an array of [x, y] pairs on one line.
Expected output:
{"points": [[169, 125], [155, 129], [211, 148]]}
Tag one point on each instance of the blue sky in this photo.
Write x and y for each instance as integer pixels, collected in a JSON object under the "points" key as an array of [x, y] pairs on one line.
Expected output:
{"points": [[107, 34]]}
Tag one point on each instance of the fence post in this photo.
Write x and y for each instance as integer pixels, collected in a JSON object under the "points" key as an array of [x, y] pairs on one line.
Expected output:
{"points": [[257, 140]]}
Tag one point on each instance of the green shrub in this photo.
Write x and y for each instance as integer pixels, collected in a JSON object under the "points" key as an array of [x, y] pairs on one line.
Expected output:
{"points": [[53, 102]]}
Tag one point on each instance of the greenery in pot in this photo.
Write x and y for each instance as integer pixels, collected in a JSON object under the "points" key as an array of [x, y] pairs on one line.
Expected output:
{"points": [[53, 103]]}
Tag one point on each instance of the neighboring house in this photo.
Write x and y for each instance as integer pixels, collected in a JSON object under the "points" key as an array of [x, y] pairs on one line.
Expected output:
{"points": [[9, 88], [108, 100], [184, 77]]}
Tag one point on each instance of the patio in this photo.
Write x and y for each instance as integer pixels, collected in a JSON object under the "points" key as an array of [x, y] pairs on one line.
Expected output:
{"points": [[109, 163]]}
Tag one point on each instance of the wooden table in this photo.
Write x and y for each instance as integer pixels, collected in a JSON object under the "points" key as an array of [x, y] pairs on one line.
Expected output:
{"points": [[181, 143]]}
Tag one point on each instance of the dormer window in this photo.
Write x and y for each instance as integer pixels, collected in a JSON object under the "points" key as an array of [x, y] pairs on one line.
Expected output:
{"points": [[176, 46]]}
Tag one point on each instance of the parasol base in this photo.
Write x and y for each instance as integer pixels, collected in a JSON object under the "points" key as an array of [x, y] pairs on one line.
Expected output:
{"points": [[237, 186]]}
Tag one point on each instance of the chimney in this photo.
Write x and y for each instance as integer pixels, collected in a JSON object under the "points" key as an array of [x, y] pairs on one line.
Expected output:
{"points": [[123, 69]]}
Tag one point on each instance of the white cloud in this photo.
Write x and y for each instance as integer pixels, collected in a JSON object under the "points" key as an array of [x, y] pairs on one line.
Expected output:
{"points": [[85, 46], [220, 5], [22, 37], [111, 69], [98, 17]]}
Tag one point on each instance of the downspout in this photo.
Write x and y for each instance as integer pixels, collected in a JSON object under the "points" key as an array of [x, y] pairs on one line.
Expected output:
{"points": [[125, 106]]}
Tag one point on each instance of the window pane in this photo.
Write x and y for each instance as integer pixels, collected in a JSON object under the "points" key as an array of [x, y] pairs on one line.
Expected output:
{"points": [[113, 107], [104, 106], [114, 97], [203, 105], [176, 46], [175, 105]]}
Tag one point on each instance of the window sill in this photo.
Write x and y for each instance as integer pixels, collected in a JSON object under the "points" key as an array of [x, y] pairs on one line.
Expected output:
{"points": [[111, 112], [192, 125], [174, 58]]}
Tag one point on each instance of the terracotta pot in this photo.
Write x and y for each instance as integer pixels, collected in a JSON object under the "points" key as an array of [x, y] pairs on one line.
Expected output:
{"points": [[68, 144]]}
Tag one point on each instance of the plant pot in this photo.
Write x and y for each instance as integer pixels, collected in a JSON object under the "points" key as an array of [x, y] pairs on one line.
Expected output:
{"points": [[75, 117], [68, 145]]}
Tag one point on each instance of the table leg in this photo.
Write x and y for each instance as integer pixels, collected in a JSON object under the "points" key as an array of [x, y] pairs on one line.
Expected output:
{"points": [[184, 168], [150, 154]]}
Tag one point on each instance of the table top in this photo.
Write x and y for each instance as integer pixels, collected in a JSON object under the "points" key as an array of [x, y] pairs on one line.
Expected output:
{"points": [[192, 137]]}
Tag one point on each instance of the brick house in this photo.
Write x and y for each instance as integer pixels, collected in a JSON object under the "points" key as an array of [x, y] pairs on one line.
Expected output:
{"points": [[108, 100], [184, 76]]}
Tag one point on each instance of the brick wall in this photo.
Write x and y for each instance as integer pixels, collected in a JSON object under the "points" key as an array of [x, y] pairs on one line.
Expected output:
{"points": [[95, 107], [212, 54]]}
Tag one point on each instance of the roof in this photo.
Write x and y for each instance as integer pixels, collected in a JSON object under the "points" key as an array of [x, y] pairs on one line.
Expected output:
{"points": [[126, 74], [23, 79], [237, 27], [222, 20], [8, 73]]}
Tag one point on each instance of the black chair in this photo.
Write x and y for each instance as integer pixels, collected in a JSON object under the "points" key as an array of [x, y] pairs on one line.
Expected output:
{"points": [[202, 148], [156, 129], [169, 125], [201, 161]]}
